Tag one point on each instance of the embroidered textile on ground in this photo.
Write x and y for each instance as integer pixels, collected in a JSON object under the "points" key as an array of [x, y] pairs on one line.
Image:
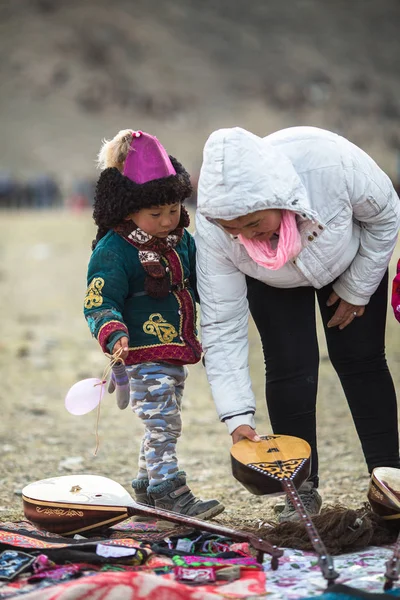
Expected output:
{"points": [[134, 560], [137, 561]]}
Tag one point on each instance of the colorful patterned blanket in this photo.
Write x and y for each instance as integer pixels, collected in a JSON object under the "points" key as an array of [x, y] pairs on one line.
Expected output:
{"points": [[136, 561], [133, 561]]}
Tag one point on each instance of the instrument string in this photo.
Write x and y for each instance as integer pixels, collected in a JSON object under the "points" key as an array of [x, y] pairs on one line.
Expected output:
{"points": [[114, 359]]}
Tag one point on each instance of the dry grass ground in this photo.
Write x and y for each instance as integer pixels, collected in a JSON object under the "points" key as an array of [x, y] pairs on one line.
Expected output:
{"points": [[45, 347]]}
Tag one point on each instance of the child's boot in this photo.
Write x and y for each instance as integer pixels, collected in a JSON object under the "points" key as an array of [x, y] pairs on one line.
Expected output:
{"points": [[175, 496], [140, 487]]}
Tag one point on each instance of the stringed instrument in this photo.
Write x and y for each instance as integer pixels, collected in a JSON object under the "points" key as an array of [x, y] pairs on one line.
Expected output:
{"points": [[262, 466], [87, 504], [384, 498], [384, 493], [280, 464]]}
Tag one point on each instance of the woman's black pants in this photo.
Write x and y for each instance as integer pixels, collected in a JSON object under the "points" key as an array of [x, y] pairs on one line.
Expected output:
{"points": [[285, 319]]}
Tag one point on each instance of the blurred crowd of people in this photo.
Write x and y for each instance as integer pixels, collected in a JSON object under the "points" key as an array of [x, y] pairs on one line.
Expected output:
{"points": [[43, 191]]}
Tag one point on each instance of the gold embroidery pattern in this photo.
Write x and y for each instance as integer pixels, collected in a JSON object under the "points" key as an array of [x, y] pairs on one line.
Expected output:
{"points": [[93, 296], [282, 469], [158, 326], [60, 512]]}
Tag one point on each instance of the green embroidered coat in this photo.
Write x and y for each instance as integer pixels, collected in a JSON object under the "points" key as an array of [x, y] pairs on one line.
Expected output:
{"points": [[159, 329]]}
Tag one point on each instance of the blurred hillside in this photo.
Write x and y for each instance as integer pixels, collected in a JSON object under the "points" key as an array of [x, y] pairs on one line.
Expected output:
{"points": [[75, 72]]}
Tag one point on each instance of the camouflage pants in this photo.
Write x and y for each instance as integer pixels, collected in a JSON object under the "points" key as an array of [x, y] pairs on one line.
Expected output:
{"points": [[156, 397]]}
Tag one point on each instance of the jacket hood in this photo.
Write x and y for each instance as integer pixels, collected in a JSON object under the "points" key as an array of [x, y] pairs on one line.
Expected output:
{"points": [[243, 173]]}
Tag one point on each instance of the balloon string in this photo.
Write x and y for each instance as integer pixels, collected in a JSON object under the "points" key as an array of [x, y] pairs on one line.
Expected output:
{"points": [[114, 359]]}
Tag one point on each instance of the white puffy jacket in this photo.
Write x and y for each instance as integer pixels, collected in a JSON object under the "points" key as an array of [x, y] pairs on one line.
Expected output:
{"points": [[349, 217]]}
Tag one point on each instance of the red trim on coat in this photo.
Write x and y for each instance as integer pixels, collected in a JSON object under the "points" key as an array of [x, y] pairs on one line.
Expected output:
{"points": [[186, 304], [177, 355], [107, 329]]}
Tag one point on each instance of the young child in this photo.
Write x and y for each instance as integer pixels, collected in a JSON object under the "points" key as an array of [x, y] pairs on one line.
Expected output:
{"points": [[396, 293], [141, 301]]}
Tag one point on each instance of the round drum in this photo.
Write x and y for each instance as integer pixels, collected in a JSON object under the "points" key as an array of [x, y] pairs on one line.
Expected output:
{"points": [[384, 492]]}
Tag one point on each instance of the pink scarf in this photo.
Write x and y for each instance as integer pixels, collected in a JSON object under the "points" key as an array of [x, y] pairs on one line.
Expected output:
{"points": [[289, 244]]}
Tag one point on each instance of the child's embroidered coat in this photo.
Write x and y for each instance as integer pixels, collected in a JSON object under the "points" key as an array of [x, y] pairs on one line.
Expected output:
{"points": [[116, 305]]}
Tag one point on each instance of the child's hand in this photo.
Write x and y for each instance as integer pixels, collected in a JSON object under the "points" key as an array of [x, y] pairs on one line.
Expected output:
{"points": [[121, 343]]}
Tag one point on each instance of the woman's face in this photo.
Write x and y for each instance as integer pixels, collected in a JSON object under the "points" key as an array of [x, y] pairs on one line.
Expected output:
{"points": [[260, 225], [157, 221]]}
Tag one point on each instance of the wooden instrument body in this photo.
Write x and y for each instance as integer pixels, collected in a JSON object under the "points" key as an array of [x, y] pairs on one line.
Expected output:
{"points": [[76, 503], [262, 466], [280, 464], [384, 492]]}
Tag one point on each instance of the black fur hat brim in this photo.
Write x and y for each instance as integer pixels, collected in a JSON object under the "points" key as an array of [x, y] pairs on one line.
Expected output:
{"points": [[117, 196]]}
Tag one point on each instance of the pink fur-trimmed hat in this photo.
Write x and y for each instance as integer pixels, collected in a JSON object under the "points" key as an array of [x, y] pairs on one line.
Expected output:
{"points": [[150, 177]]}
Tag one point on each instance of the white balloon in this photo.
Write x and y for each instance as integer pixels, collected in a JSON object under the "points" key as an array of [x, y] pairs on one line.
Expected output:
{"points": [[84, 396]]}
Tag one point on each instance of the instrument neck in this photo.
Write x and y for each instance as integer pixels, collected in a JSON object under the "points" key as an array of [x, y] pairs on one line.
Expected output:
{"points": [[325, 561], [236, 535]]}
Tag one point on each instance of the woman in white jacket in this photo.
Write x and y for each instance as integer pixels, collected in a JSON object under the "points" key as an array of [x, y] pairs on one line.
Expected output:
{"points": [[280, 220]]}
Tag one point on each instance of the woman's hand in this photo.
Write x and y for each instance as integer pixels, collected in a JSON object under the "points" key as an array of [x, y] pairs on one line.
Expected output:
{"points": [[244, 432], [345, 312], [122, 343]]}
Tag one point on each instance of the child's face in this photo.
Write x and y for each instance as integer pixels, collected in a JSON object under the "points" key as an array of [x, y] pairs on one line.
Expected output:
{"points": [[158, 221]]}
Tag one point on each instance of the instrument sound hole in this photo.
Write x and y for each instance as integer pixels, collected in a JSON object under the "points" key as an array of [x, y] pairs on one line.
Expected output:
{"points": [[272, 450]]}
